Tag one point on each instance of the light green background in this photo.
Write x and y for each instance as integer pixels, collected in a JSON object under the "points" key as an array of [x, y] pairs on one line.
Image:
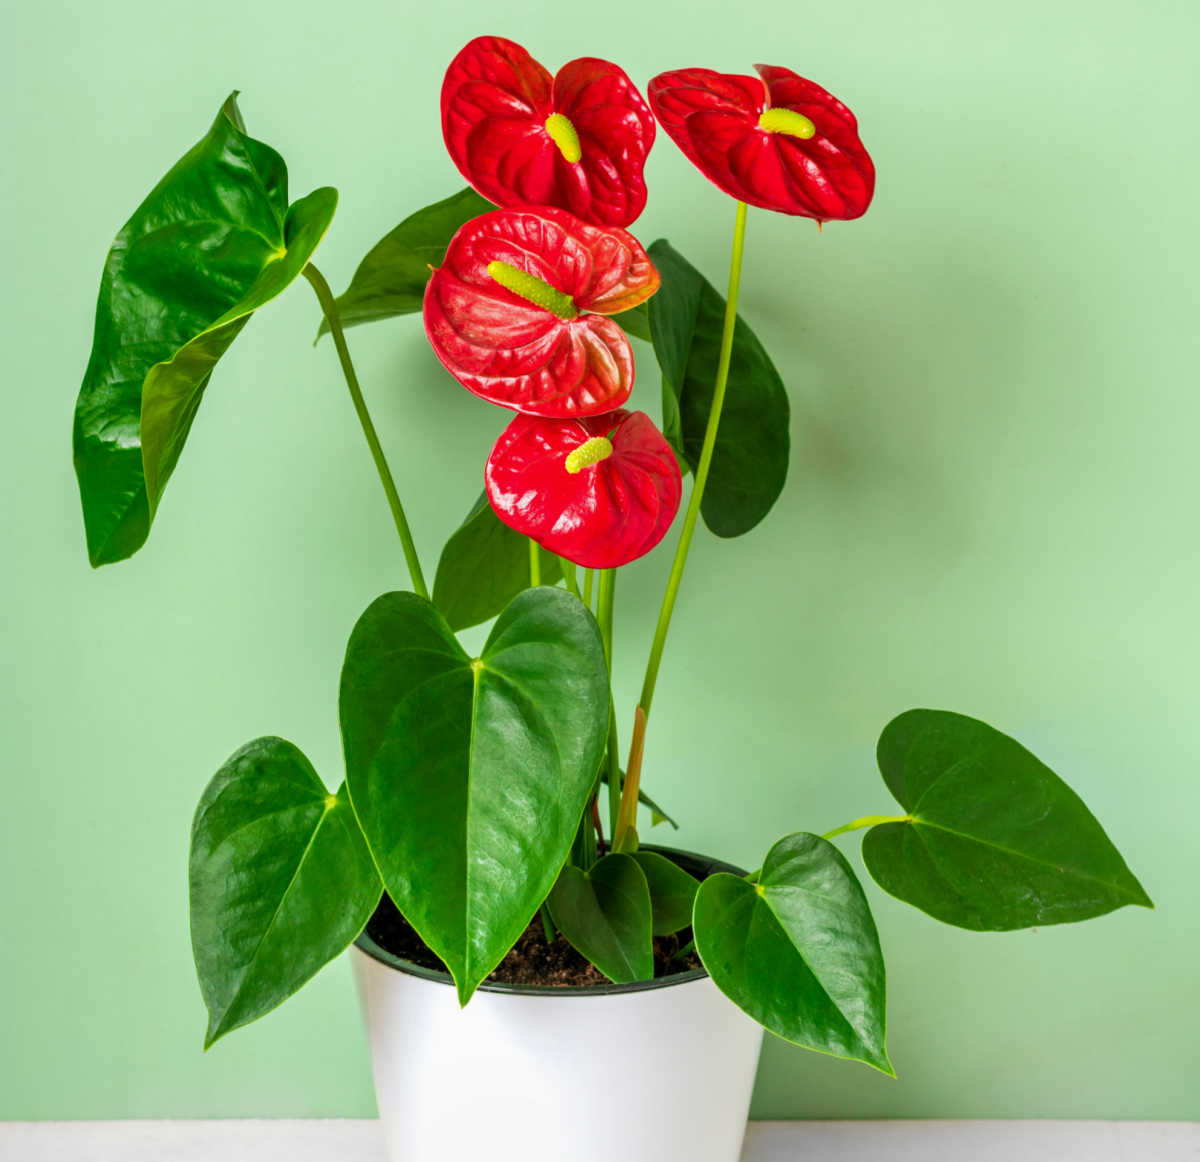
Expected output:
{"points": [[991, 508]]}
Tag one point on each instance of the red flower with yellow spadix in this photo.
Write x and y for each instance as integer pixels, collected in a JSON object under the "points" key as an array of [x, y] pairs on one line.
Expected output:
{"points": [[600, 491], [777, 140], [577, 140], [518, 312]]}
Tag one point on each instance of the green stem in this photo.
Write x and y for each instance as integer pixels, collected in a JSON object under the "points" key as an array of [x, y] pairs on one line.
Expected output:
{"points": [[605, 600], [589, 575], [633, 767], [329, 307], [548, 925], [535, 565], [866, 821], [569, 576]]}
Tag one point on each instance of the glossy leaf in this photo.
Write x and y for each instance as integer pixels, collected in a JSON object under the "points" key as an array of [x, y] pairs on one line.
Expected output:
{"points": [[281, 881], [470, 777], [777, 140], [798, 950], [995, 839], [672, 891], [214, 241], [750, 461], [605, 914], [483, 566], [600, 491], [391, 279], [519, 312]]}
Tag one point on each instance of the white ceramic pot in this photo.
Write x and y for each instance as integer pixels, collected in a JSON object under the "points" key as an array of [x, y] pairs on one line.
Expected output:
{"points": [[652, 1072]]}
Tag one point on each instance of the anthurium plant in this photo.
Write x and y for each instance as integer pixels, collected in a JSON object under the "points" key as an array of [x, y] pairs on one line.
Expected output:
{"points": [[483, 792]]}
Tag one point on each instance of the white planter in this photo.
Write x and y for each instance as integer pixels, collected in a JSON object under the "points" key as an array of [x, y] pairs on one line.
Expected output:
{"points": [[654, 1072]]}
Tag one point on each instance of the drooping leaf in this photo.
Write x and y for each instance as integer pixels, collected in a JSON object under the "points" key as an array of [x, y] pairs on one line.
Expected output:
{"points": [[750, 460], [213, 242], [605, 914], [483, 566], [470, 776], [798, 950], [280, 879], [672, 891], [995, 839], [391, 279]]}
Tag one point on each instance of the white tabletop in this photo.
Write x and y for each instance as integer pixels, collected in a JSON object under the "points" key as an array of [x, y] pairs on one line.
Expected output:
{"points": [[337, 1140]]}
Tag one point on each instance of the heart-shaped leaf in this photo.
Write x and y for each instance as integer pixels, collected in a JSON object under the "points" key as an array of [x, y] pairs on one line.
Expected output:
{"points": [[995, 840], [213, 242], [605, 913], [798, 950], [483, 566], [470, 776], [636, 321], [672, 891], [280, 879], [750, 460], [391, 279]]}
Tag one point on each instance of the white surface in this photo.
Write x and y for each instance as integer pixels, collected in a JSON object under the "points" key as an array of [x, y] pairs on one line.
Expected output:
{"points": [[669, 1069], [362, 1141]]}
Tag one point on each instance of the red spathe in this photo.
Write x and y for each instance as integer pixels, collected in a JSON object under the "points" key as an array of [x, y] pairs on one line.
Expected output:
{"points": [[514, 353], [606, 514], [713, 118], [495, 102]]}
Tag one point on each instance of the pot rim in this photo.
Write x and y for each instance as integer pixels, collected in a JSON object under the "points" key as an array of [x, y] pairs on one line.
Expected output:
{"points": [[368, 947]]}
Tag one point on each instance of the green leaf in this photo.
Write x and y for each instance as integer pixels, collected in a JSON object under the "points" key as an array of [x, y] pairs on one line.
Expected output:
{"points": [[750, 460], [672, 891], [470, 777], [213, 242], [605, 913], [391, 279], [280, 881], [636, 321], [995, 839], [483, 566], [798, 950]]}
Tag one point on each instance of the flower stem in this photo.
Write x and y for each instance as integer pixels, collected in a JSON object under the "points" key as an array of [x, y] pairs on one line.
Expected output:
{"points": [[589, 575], [535, 565], [604, 601], [569, 577], [633, 768], [329, 307]]}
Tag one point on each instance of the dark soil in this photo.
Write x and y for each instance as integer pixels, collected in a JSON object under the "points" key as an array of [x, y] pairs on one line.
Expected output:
{"points": [[532, 961]]}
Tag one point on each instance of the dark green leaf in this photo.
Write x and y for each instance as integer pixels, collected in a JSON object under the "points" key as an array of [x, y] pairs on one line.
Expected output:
{"points": [[213, 242], [281, 881], [605, 914], [484, 565], [798, 950], [672, 892], [391, 279], [636, 322], [750, 460], [995, 840], [470, 777]]}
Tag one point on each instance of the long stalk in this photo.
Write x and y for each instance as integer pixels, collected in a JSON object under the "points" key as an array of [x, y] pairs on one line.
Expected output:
{"points": [[604, 602], [329, 307], [629, 799]]}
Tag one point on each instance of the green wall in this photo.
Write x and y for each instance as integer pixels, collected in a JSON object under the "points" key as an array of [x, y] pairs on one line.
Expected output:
{"points": [[991, 508]]}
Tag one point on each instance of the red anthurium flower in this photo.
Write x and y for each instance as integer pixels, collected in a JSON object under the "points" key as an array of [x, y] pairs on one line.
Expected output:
{"points": [[781, 142], [516, 313], [577, 140], [600, 491]]}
